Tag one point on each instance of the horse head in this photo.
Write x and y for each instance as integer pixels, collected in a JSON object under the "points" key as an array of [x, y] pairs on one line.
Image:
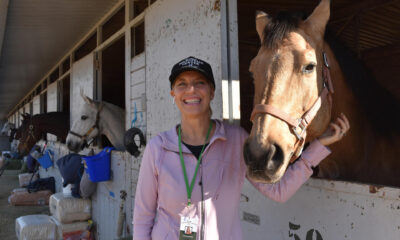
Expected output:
{"points": [[288, 81], [86, 127], [27, 134], [7, 127]]}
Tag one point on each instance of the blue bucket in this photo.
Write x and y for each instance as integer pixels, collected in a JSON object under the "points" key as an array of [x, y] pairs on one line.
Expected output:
{"points": [[98, 166], [45, 160]]}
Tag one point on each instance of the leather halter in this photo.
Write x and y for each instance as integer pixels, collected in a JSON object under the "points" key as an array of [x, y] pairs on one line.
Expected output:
{"points": [[298, 126], [30, 134], [95, 125]]}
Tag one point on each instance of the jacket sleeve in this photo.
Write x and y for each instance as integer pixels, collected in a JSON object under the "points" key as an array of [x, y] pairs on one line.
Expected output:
{"points": [[296, 174], [146, 196]]}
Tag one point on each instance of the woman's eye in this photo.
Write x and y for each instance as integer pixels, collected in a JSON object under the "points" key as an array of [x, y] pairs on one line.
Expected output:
{"points": [[309, 68], [83, 117]]}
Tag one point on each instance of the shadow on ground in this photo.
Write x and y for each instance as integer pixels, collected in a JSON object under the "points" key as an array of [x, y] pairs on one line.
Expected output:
{"points": [[8, 213]]}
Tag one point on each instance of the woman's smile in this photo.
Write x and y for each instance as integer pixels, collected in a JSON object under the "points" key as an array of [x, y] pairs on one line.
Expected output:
{"points": [[192, 101]]}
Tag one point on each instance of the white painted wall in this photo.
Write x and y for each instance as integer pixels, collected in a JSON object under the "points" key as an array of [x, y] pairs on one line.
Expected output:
{"points": [[52, 97], [26, 107], [337, 210], [52, 105], [176, 29], [36, 105], [138, 93], [82, 77]]}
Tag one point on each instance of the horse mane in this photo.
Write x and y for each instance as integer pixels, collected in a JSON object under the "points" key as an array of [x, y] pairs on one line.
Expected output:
{"points": [[50, 115], [61, 118], [377, 103], [116, 110], [279, 26]]}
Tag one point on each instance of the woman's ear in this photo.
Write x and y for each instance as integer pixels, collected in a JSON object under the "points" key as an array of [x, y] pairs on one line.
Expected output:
{"points": [[172, 93]]}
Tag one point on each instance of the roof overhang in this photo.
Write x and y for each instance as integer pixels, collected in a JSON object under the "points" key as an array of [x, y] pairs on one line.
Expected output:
{"points": [[35, 35]]}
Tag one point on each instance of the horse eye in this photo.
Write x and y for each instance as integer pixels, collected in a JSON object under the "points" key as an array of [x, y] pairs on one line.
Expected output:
{"points": [[309, 68], [251, 74], [84, 117]]}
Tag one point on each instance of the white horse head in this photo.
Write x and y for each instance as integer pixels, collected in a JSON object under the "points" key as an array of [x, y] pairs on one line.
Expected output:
{"points": [[7, 128], [97, 118], [14, 145]]}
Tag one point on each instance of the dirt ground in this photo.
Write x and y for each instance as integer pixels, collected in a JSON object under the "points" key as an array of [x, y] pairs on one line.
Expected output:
{"points": [[8, 213]]}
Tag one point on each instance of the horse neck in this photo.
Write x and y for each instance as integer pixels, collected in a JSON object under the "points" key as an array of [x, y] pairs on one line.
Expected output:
{"points": [[112, 125], [344, 101], [53, 124]]}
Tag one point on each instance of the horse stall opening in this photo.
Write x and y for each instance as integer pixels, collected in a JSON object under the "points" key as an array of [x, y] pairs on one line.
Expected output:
{"points": [[328, 209], [111, 81]]}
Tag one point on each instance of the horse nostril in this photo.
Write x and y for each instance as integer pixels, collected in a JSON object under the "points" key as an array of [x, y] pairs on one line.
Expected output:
{"points": [[274, 158], [246, 153], [70, 145]]}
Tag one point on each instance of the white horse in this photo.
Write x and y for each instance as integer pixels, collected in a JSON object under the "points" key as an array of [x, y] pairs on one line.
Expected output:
{"points": [[7, 128], [97, 118]]}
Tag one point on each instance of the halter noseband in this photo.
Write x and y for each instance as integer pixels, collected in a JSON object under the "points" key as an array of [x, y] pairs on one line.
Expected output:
{"points": [[299, 125], [96, 125]]}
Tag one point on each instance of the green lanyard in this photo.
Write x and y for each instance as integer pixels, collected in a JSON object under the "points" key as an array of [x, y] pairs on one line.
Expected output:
{"points": [[189, 189]]}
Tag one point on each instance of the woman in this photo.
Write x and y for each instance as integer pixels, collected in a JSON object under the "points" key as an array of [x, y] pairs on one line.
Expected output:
{"points": [[191, 176]]}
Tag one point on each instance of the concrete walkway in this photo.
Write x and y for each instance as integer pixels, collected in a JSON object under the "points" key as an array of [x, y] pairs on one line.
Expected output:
{"points": [[8, 213]]}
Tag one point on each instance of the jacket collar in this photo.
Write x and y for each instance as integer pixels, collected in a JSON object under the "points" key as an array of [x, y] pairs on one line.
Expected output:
{"points": [[170, 138]]}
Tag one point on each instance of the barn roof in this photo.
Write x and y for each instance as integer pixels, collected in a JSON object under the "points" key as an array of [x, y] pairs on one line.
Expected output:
{"points": [[34, 35]]}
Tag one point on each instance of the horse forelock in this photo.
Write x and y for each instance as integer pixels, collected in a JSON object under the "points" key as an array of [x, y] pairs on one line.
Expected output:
{"points": [[280, 26]]}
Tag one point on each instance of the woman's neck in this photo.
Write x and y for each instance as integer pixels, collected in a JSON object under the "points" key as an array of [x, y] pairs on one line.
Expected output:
{"points": [[194, 130]]}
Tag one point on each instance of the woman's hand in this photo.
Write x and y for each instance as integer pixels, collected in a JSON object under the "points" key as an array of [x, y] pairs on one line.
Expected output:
{"points": [[336, 131]]}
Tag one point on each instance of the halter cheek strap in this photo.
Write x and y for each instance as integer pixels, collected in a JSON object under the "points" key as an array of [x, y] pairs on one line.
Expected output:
{"points": [[30, 135], [299, 126], [95, 125]]}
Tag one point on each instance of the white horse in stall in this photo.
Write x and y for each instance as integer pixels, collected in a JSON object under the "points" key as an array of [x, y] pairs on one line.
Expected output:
{"points": [[7, 128], [97, 118]]}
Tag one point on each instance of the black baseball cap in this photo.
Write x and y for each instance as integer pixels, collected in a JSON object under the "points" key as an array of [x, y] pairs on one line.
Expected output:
{"points": [[192, 64]]}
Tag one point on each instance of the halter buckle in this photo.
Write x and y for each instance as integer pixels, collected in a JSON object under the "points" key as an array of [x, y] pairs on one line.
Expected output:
{"points": [[302, 127], [326, 63]]}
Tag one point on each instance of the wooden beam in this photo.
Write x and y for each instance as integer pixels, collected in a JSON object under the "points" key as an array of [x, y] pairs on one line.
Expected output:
{"points": [[382, 52], [361, 6]]}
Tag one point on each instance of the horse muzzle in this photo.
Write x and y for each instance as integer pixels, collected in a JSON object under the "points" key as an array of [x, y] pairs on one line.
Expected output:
{"points": [[74, 146], [264, 163]]}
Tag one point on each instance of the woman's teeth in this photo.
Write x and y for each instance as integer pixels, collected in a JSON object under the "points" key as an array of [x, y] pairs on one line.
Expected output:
{"points": [[192, 101]]}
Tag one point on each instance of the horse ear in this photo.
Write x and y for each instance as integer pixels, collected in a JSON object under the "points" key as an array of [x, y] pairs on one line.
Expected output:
{"points": [[86, 98], [262, 20], [25, 116], [318, 19]]}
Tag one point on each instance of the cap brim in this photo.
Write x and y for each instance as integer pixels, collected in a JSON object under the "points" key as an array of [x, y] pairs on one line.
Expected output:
{"points": [[173, 76]]}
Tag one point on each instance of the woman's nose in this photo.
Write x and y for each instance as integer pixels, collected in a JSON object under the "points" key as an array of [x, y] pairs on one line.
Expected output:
{"points": [[190, 87]]}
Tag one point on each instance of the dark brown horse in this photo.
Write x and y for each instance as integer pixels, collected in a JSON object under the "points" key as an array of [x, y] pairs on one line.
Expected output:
{"points": [[294, 103], [34, 127]]}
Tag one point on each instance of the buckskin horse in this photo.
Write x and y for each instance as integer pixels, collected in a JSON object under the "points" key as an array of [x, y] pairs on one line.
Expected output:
{"points": [[300, 86], [33, 128]]}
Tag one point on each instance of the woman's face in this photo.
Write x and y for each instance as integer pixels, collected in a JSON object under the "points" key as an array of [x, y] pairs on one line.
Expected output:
{"points": [[193, 94]]}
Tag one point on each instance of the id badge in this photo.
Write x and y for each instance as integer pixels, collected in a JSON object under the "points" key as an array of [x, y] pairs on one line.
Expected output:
{"points": [[188, 228]]}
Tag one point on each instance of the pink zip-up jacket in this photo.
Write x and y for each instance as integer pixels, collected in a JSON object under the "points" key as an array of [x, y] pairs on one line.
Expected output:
{"points": [[161, 197]]}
